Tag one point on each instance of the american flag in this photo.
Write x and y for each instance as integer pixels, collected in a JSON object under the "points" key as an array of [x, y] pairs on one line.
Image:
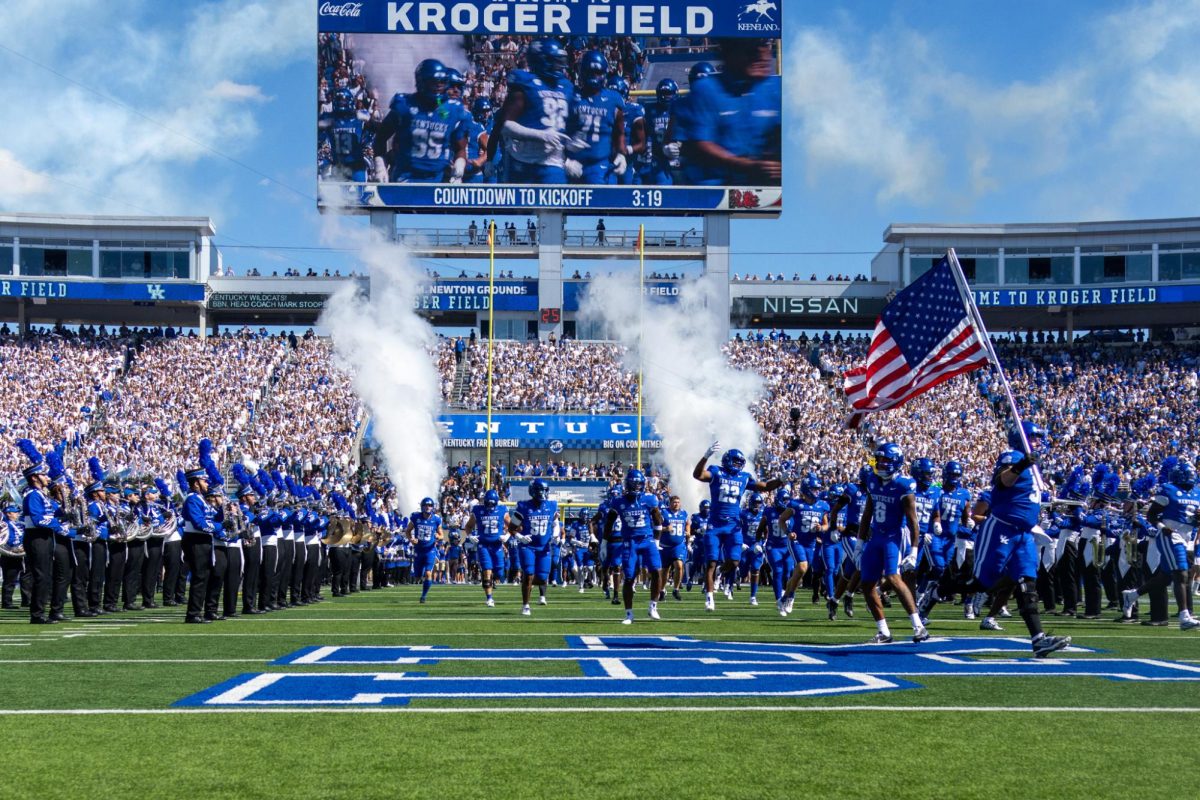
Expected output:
{"points": [[924, 337]]}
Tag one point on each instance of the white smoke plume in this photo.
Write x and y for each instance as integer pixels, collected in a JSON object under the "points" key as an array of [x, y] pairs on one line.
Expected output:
{"points": [[689, 388], [385, 345]]}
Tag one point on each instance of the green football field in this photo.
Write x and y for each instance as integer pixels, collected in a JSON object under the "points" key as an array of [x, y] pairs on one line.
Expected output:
{"points": [[140, 703]]}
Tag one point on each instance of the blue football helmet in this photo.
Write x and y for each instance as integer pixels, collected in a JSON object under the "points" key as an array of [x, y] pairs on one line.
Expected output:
{"points": [[666, 91], [455, 79], [547, 59], [427, 505], [613, 493], [492, 498], [635, 483], [733, 461], [1034, 433], [782, 497], [1183, 475], [705, 505], [482, 110], [343, 102], [431, 78], [922, 471], [836, 491], [889, 458], [754, 501], [593, 70], [699, 70], [810, 486], [952, 475], [864, 475], [619, 85], [538, 489]]}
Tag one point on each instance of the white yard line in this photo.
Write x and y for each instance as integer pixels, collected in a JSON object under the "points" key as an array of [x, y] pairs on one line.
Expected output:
{"points": [[601, 710]]}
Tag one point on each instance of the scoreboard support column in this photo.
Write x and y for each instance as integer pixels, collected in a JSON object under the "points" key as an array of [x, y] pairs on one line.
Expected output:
{"points": [[716, 260], [550, 274]]}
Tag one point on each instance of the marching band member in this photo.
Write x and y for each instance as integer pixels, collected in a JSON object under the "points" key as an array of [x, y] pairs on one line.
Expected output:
{"points": [[12, 558], [174, 578], [199, 528], [39, 515], [114, 572], [248, 497], [153, 514]]}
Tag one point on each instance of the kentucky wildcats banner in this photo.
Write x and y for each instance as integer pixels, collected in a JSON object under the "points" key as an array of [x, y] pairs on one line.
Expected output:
{"points": [[550, 431], [756, 18]]}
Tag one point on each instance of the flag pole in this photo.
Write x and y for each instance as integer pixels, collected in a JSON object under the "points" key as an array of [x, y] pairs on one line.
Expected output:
{"points": [[641, 326], [977, 319], [491, 340]]}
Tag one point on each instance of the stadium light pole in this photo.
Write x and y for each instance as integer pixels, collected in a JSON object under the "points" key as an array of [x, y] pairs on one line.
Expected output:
{"points": [[491, 339], [641, 331]]}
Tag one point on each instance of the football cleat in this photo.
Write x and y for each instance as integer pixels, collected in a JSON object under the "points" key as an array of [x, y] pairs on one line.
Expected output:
{"points": [[920, 635], [709, 605], [653, 613], [848, 606], [582, 590], [525, 612], [1189, 624], [1049, 644], [754, 601], [675, 593], [832, 605], [1005, 613], [728, 592], [968, 611], [628, 618], [491, 602], [780, 609], [542, 600], [989, 624], [880, 638], [788, 603]]}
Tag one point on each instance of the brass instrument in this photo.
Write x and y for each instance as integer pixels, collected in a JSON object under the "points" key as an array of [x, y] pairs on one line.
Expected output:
{"points": [[79, 519], [360, 531], [15, 551], [169, 525], [340, 529], [235, 526]]}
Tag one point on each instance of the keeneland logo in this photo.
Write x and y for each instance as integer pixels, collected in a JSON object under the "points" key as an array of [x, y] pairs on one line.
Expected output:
{"points": [[761, 7], [341, 9]]}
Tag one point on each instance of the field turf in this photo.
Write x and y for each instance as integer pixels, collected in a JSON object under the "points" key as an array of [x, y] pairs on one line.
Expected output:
{"points": [[91, 707]]}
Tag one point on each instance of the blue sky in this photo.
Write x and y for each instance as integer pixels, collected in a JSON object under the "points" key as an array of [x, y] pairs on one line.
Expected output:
{"points": [[895, 111]]}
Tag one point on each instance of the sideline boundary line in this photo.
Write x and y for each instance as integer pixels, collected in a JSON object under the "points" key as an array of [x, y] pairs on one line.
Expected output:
{"points": [[603, 710]]}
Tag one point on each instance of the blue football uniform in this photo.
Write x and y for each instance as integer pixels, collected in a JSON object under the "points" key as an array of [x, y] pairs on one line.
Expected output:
{"points": [[489, 524], [633, 112], [934, 549], [654, 168], [425, 139], [637, 525], [725, 493], [674, 540], [538, 523], [779, 550], [881, 555], [752, 555], [592, 122], [743, 117], [1005, 545], [805, 517], [346, 141], [547, 107], [425, 531], [1179, 518]]}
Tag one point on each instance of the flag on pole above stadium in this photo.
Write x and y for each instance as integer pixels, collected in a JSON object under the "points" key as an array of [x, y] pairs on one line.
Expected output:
{"points": [[926, 335]]}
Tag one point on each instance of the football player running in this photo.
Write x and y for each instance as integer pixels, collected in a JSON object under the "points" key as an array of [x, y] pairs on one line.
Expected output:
{"points": [[596, 153], [533, 119], [890, 507], [533, 524], [1006, 550], [726, 484], [488, 529], [641, 523]]}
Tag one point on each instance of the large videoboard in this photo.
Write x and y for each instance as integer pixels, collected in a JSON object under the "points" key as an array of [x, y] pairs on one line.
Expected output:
{"points": [[642, 106]]}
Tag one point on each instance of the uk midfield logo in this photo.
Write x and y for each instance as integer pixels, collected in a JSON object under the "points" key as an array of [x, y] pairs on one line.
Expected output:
{"points": [[613, 667]]}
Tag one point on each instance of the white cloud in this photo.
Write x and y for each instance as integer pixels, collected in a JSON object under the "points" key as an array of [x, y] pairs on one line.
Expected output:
{"points": [[18, 182], [179, 76], [1104, 128], [847, 118], [228, 90]]}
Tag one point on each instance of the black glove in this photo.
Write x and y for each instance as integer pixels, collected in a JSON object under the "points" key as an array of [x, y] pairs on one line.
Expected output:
{"points": [[1025, 463]]}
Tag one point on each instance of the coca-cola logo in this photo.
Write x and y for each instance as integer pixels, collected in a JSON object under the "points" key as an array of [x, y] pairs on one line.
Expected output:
{"points": [[341, 9]]}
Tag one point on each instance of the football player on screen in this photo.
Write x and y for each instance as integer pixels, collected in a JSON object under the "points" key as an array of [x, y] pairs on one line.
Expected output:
{"points": [[596, 153], [533, 119], [634, 128], [479, 129], [342, 131], [661, 154], [732, 129], [427, 134]]}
